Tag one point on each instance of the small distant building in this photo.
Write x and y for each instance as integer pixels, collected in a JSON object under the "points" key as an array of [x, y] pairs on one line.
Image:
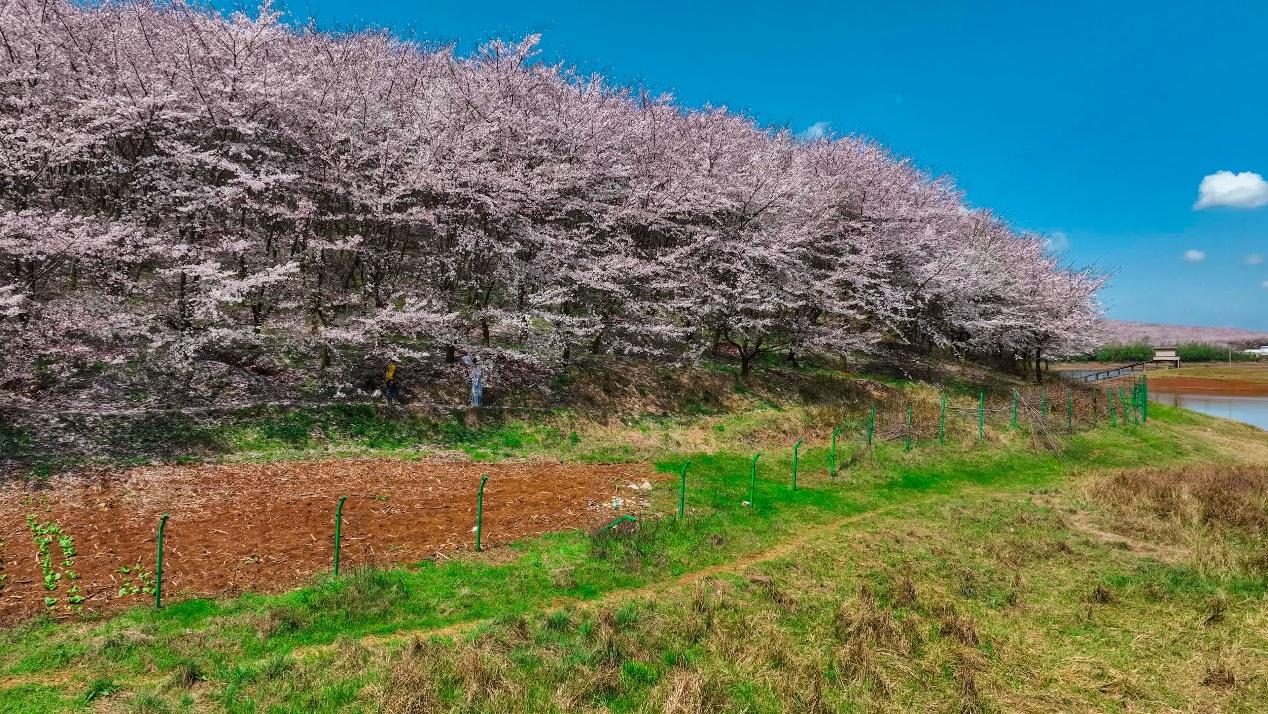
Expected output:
{"points": [[1167, 356], [1260, 351]]}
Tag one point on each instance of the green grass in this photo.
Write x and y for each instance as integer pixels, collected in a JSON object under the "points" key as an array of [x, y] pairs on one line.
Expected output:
{"points": [[228, 641], [254, 652], [976, 601]]}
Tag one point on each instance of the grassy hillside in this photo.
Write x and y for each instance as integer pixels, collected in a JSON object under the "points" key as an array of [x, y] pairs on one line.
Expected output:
{"points": [[1031, 570]]}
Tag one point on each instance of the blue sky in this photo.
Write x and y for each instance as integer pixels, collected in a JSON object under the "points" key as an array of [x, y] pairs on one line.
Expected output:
{"points": [[1092, 121]]}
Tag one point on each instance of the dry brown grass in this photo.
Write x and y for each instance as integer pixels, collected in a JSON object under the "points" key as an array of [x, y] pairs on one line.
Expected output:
{"points": [[1222, 496], [412, 685], [1209, 516]]}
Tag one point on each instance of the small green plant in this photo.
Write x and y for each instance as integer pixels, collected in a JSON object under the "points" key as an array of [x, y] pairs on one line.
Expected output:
{"points": [[45, 534], [136, 581], [40, 473], [100, 688]]}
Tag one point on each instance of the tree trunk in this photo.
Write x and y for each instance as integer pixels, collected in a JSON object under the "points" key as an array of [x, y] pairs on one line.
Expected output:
{"points": [[451, 354], [1038, 366]]}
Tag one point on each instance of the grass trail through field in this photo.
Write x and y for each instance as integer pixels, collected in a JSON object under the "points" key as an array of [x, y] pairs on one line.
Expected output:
{"points": [[783, 549]]}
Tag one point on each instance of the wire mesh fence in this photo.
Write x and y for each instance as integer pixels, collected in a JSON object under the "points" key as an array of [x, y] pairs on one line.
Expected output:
{"points": [[913, 420]]}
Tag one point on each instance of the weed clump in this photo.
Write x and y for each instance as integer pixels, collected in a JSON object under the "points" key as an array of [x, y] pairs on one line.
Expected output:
{"points": [[413, 683], [1220, 674], [871, 638], [100, 689], [687, 691], [905, 592], [953, 624], [1100, 595], [187, 674]]}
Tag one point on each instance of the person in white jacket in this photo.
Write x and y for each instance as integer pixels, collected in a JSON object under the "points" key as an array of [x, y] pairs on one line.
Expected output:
{"points": [[475, 374]]}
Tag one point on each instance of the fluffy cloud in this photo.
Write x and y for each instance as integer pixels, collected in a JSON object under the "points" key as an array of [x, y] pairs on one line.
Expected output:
{"points": [[1194, 256], [1057, 242], [1225, 188], [1255, 259], [816, 131]]}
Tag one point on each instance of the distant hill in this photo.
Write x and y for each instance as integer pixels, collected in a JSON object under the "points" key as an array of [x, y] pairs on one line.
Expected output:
{"points": [[1123, 332]]}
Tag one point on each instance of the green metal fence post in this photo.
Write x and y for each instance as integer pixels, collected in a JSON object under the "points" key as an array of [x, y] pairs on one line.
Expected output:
{"points": [[832, 455], [158, 564], [796, 448], [682, 489], [942, 421], [480, 510], [630, 517], [752, 479], [338, 531], [907, 444], [871, 423], [1014, 408], [1144, 404], [1127, 410]]}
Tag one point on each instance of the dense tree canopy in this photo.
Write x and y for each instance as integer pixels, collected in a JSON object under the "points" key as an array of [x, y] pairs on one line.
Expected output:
{"points": [[177, 187]]}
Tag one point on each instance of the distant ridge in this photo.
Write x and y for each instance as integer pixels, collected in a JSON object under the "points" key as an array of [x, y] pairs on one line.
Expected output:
{"points": [[1123, 331]]}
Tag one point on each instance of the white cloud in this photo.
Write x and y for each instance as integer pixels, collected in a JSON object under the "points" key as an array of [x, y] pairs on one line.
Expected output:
{"points": [[1264, 284], [1057, 242], [1194, 256], [1225, 188], [816, 131], [1255, 259]]}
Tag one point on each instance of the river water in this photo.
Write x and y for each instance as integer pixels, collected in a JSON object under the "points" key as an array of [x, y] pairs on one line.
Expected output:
{"points": [[1250, 409]]}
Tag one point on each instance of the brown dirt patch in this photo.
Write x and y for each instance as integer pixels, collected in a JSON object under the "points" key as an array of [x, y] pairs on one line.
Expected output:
{"points": [[1201, 385], [268, 527]]}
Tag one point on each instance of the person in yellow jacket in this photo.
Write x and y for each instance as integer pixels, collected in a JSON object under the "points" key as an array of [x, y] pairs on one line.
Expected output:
{"points": [[391, 388]]}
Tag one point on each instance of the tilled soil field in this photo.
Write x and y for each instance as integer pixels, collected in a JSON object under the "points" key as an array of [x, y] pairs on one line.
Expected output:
{"points": [[1203, 385], [268, 527]]}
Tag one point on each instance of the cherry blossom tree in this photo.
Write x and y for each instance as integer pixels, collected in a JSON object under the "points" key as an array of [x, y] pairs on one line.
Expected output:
{"points": [[194, 195]]}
